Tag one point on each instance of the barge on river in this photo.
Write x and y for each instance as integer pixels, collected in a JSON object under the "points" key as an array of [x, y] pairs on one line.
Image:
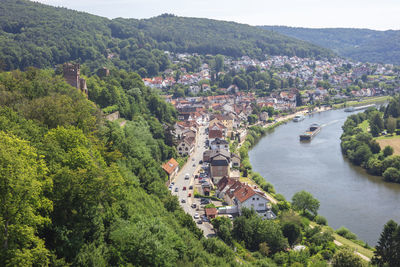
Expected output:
{"points": [[351, 109], [311, 132]]}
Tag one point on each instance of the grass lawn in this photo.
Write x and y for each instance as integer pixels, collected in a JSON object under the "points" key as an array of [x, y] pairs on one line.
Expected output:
{"points": [[366, 252], [393, 141], [364, 126], [378, 76], [388, 137]]}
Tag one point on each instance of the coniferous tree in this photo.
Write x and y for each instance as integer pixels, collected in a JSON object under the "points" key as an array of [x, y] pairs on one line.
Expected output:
{"points": [[387, 250]]}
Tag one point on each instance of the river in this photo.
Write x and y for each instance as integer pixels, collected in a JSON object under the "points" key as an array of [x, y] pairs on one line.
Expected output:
{"points": [[348, 195]]}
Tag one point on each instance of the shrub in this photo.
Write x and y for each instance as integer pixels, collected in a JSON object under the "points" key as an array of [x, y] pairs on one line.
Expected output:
{"points": [[326, 254], [268, 187], [280, 197], [320, 220], [346, 257], [343, 231], [281, 258], [388, 151], [391, 175]]}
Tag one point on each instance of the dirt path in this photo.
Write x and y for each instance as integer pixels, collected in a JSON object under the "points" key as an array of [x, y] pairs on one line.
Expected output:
{"points": [[355, 252]]}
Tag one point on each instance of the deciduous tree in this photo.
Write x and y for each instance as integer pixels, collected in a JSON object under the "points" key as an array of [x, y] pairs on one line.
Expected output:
{"points": [[304, 201], [23, 207]]}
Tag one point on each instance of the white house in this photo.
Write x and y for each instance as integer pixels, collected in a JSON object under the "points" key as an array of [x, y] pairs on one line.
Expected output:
{"points": [[186, 146], [249, 198], [243, 196], [218, 144]]}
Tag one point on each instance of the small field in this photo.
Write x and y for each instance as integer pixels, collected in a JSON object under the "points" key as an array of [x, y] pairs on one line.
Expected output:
{"points": [[365, 101], [393, 141]]}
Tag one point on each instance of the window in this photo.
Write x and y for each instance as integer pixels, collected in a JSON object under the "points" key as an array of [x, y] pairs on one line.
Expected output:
{"points": [[258, 198], [254, 198]]}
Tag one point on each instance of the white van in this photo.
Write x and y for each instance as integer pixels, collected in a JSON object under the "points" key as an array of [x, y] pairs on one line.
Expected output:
{"points": [[187, 176]]}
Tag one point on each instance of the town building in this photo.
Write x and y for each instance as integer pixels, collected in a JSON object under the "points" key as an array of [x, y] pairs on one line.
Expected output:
{"points": [[171, 168]]}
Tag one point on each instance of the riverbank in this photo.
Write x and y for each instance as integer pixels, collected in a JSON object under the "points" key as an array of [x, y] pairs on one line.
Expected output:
{"points": [[258, 135], [372, 100], [254, 139]]}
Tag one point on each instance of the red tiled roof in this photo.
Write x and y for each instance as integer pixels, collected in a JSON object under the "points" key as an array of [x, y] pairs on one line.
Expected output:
{"points": [[215, 134], [170, 166], [237, 185], [211, 211], [244, 193], [224, 182]]}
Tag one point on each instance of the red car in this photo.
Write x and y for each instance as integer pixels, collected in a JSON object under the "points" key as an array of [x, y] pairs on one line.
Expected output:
{"points": [[190, 194], [184, 188]]}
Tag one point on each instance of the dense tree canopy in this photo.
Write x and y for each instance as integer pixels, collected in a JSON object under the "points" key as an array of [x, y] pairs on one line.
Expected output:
{"points": [[359, 145], [77, 190], [24, 207], [359, 44], [34, 34]]}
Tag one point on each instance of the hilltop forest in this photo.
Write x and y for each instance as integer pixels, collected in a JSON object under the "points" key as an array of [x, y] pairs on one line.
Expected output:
{"points": [[83, 191], [33, 34], [359, 44]]}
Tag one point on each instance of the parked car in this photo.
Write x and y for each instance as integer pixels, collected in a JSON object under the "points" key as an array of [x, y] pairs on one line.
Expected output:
{"points": [[204, 201], [194, 165], [204, 218], [196, 176], [191, 187], [196, 216], [183, 201], [190, 194], [184, 188], [193, 159], [187, 176], [201, 162], [193, 205], [176, 189], [199, 222]]}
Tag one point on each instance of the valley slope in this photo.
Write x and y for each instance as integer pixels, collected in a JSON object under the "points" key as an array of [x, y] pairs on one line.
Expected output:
{"points": [[359, 44], [33, 34]]}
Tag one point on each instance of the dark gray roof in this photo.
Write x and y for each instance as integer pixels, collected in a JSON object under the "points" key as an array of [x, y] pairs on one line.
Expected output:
{"points": [[220, 152], [219, 161], [218, 141]]}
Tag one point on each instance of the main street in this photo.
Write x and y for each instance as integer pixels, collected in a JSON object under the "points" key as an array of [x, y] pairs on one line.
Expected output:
{"points": [[191, 167]]}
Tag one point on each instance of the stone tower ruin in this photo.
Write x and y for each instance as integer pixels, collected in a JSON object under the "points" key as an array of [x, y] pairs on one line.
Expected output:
{"points": [[72, 76]]}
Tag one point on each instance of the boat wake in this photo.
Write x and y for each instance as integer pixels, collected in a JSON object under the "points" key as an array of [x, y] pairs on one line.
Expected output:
{"points": [[330, 123]]}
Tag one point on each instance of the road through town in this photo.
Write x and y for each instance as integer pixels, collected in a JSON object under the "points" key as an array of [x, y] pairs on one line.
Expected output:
{"points": [[181, 185]]}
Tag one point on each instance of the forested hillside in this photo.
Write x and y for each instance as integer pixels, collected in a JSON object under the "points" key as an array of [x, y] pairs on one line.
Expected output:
{"points": [[359, 44], [33, 34], [79, 190]]}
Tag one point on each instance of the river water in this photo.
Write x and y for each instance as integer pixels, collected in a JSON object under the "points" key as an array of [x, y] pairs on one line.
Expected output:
{"points": [[348, 195]]}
